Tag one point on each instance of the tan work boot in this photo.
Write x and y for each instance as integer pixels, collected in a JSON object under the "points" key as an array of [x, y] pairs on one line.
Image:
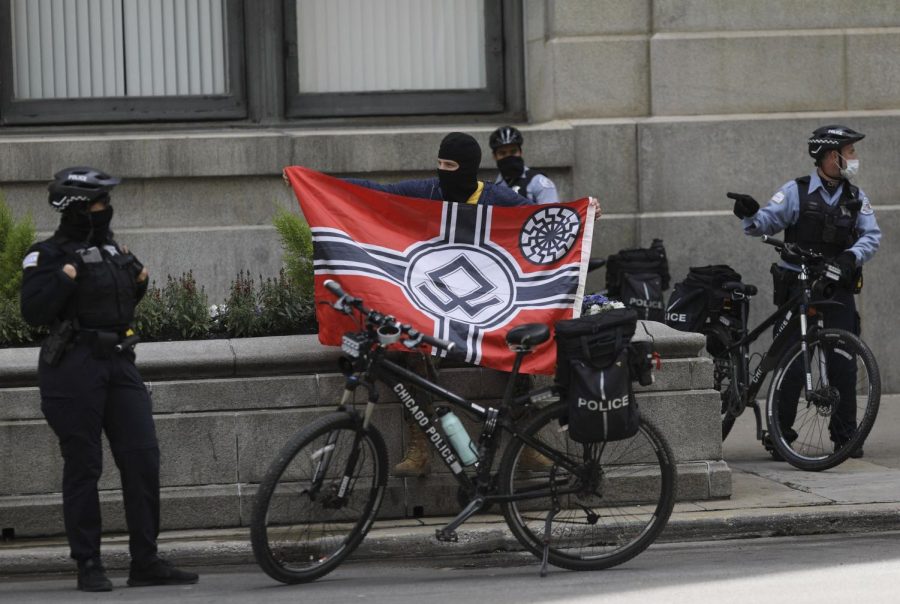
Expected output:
{"points": [[417, 459], [532, 461]]}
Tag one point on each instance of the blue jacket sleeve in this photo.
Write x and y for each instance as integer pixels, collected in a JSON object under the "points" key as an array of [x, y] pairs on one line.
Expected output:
{"points": [[868, 231], [501, 195], [781, 211], [423, 189]]}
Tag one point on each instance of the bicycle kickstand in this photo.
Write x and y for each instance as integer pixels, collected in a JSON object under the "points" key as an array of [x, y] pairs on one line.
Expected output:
{"points": [[554, 510]]}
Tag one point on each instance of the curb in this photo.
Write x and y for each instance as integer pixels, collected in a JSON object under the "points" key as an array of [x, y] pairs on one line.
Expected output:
{"points": [[483, 535]]}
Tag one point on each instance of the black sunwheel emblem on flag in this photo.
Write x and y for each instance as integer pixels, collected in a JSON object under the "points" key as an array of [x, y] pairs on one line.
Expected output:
{"points": [[549, 234]]}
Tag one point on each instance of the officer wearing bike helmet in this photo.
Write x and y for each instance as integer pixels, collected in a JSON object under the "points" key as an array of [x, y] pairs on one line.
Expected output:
{"points": [[506, 145], [84, 286], [825, 213]]}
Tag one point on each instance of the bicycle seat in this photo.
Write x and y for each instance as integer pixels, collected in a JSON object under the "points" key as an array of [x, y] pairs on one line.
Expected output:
{"points": [[741, 288], [530, 334]]}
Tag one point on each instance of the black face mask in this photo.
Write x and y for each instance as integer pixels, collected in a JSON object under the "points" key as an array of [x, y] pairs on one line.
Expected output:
{"points": [[511, 168], [91, 227], [458, 185]]}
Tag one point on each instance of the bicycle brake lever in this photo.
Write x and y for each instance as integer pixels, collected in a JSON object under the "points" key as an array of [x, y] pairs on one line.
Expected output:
{"points": [[414, 339]]}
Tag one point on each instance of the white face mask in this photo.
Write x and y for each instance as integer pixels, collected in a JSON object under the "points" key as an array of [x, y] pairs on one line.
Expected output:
{"points": [[851, 169]]}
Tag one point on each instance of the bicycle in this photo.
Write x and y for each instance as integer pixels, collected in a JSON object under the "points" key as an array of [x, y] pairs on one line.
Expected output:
{"points": [[595, 506], [806, 442]]}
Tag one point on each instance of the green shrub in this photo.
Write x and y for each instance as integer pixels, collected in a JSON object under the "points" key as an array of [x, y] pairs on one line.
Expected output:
{"points": [[296, 241], [15, 239], [284, 307], [178, 311], [240, 318], [275, 307], [14, 331]]}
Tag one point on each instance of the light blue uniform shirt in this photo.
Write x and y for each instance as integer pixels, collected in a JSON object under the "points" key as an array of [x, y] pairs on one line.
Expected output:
{"points": [[783, 210], [540, 190]]}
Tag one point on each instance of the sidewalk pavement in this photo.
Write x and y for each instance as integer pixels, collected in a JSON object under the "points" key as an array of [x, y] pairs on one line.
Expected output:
{"points": [[768, 499]]}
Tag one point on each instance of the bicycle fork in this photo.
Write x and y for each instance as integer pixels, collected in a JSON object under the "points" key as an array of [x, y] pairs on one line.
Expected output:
{"points": [[325, 454]]}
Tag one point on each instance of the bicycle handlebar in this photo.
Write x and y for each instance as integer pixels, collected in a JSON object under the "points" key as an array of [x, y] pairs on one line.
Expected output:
{"points": [[796, 252], [415, 337]]}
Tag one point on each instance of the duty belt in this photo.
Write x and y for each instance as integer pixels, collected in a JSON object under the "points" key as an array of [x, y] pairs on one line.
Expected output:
{"points": [[105, 342]]}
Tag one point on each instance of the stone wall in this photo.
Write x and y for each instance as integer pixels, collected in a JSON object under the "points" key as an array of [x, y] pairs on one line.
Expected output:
{"points": [[657, 107], [224, 408]]}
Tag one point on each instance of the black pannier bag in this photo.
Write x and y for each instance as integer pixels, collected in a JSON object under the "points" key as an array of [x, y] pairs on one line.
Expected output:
{"points": [[700, 297], [595, 367], [601, 401], [638, 277]]}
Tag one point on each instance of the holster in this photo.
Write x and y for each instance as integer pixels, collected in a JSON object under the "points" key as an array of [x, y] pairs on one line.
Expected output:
{"points": [[57, 343]]}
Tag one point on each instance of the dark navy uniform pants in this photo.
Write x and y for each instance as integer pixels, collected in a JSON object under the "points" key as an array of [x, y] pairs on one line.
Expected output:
{"points": [[842, 373], [82, 397]]}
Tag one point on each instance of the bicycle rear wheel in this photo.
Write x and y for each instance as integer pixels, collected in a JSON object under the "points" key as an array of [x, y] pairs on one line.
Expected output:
{"points": [[821, 432], [310, 513], [626, 491]]}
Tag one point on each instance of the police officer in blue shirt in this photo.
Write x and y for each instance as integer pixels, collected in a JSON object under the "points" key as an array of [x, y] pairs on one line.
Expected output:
{"points": [[825, 213], [506, 145]]}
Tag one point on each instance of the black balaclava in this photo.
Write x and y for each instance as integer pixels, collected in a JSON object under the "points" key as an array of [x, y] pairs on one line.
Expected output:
{"points": [[83, 225], [511, 168], [458, 185]]}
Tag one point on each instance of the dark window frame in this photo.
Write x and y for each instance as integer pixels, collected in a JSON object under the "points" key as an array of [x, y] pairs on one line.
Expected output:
{"points": [[95, 110], [491, 99]]}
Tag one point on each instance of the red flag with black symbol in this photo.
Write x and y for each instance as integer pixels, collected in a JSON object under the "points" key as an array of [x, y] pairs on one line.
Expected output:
{"points": [[464, 273]]}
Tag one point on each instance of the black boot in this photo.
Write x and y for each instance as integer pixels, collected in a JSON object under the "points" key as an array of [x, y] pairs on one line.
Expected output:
{"points": [[92, 576], [159, 572]]}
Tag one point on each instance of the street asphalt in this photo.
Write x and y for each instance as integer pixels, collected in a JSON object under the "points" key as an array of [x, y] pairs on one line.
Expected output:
{"points": [[769, 499]]}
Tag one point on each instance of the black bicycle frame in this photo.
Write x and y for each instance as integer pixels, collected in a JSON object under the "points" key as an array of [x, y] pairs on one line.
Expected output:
{"points": [[749, 388], [396, 377]]}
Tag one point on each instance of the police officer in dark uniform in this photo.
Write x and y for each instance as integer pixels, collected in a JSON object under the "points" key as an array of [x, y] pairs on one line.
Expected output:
{"points": [[825, 213], [506, 146], [84, 286]]}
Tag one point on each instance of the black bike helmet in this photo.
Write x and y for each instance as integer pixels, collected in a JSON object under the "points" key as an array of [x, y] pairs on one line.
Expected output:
{"points": [[505, 135], [826, 138], [72, 187]]}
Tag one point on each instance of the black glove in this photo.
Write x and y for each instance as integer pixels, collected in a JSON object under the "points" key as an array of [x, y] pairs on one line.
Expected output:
{"points": [[744, 205], [846, 261]]}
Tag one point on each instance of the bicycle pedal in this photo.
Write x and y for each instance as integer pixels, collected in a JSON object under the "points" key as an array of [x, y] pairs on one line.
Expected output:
{"points": [[446, 536]]}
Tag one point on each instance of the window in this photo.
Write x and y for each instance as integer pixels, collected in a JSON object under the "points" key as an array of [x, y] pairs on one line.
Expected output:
{"points": [[257, 61], [390, 57], [120, 60]]}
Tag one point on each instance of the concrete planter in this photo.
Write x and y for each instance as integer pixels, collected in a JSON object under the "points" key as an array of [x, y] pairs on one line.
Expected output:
{"points": [[223, 408]]}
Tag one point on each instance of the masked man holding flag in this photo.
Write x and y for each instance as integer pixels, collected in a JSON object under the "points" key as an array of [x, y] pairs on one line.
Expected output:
{"points": [[459, 158], [457, 178]]}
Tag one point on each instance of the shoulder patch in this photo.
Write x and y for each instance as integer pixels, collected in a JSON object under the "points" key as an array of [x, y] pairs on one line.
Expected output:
{"points": [[544, 181], [867, 208], [30, 260], [778, 197]]}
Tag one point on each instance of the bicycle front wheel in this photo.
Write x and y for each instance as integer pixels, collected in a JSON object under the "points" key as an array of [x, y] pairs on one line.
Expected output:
{"points": [[318, 498], [821, 430], [725, 382], [622, 494]]}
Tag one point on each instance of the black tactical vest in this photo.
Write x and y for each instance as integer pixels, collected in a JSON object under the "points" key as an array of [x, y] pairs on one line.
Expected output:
{"points": [[520, 185], [106, 294], [823, 228]]}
